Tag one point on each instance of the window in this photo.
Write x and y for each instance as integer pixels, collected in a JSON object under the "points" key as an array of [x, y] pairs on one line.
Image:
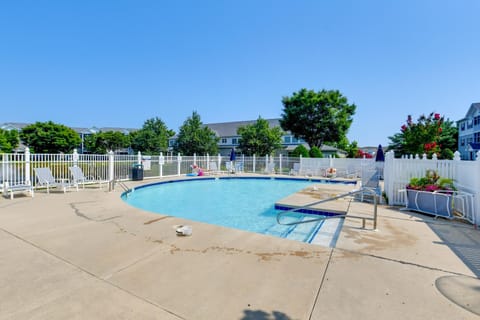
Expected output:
{"points": [[462, 142], [224, 140], [476, 121], [476, 137], [462, 126], [234, 140], [294, 140], [287, 139]]}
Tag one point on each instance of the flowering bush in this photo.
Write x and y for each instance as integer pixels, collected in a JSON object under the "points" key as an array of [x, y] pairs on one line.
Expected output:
{"points": [[431, 182], [430, 134]]}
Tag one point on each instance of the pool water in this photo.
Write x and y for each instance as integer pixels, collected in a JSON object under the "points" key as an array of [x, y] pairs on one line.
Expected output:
{"points": [[240, 203]]}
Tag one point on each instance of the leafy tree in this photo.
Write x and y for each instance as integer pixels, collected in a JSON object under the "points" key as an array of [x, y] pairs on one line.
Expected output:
{"points": [[300, 150], [195, 138], [342, 144], [317, 117], [103, 142], [49, 137], [430, 135], [258, 138], [152, 138], [8, 140], [352, 150], [315, 152]]}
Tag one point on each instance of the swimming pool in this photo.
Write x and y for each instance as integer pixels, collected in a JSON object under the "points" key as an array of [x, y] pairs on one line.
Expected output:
{"points": [[240, 203]]}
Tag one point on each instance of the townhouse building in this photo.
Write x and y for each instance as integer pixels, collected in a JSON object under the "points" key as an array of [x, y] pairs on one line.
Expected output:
{"points": [[469, 133]]}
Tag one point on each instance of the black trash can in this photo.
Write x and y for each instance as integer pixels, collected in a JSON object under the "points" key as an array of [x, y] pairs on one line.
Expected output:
{"points": [[137, 172]]}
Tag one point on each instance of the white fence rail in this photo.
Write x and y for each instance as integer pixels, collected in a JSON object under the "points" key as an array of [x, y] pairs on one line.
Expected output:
{"points": [[19, 169], [465, 174]]}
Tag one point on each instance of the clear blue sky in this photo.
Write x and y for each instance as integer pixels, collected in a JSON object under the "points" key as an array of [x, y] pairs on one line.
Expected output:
{"points": [[117, 63]]}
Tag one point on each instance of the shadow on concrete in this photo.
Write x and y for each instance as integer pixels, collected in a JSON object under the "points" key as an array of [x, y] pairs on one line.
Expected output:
{"points": [[262, 315], [463, 240]]}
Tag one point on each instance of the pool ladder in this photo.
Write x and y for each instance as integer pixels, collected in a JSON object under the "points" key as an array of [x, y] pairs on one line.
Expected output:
{"points": [[125, 188], [361, 191]]}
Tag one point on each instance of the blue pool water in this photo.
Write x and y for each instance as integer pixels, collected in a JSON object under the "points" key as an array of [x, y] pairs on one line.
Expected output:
{"points": [[241, 203]]}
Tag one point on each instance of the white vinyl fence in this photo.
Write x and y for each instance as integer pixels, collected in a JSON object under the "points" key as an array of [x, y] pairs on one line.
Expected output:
{"points": [[19, 169], [465, 174]]}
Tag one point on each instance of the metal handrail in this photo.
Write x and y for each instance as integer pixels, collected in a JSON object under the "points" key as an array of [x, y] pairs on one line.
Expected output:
{"points": [[362, 190]]}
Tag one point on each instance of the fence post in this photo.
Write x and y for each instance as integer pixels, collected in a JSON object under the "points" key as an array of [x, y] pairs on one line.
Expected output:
{"points": [[280, 164], [300, 165], [194, 158], [139, 158], [75, 158], [179, 163], [208, 162], [254, 163], [111, 169], [161, 162], [4, 168], [27, 165], [219, 162], [266, 162]]}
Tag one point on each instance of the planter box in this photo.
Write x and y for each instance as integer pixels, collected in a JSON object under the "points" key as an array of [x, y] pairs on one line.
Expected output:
{"points": [[434, 203]]}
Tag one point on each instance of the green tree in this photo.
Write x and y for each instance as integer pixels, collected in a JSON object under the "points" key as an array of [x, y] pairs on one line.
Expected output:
{"points": [[258, 138], [352, 149], [300, 150], [103, 142], [195, 138], [49, 137], [152, 138], [429, 135], [9, 140], [317, 117], [315, 152]]}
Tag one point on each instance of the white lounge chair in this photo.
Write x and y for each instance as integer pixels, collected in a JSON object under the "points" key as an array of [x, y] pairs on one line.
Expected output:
{"points": [[213, 168], [11, 189], [79, 178], [371, 181], [238, 166], [295, 171], [12, 183], [46, 179], [270, 168]]}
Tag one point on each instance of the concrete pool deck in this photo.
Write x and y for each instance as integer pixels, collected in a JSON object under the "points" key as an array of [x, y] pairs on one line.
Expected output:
{"points": [[89, 255]]}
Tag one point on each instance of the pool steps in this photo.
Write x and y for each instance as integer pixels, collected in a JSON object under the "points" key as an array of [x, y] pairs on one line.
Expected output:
{"points": [[323, 232]]}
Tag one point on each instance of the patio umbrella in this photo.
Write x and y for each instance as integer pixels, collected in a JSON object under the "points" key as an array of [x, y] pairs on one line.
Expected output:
{"points": [[233, 156], [379, 160], [380, 156]]}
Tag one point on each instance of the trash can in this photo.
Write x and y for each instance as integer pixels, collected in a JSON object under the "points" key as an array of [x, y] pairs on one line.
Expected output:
{"points": [[137, 172]]}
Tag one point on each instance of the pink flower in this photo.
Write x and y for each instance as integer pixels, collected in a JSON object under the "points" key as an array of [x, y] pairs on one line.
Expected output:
{"points": [[431, 188], [409, 119], [436, 116], [404, 127]]}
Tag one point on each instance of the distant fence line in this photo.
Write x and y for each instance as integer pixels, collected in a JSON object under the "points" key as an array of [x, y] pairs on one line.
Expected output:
{"points": [[19, 168]]}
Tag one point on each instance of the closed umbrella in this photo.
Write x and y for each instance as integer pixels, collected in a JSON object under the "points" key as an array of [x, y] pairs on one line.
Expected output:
{"points": [[380, 156], [233, 156], [379, 160]]}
